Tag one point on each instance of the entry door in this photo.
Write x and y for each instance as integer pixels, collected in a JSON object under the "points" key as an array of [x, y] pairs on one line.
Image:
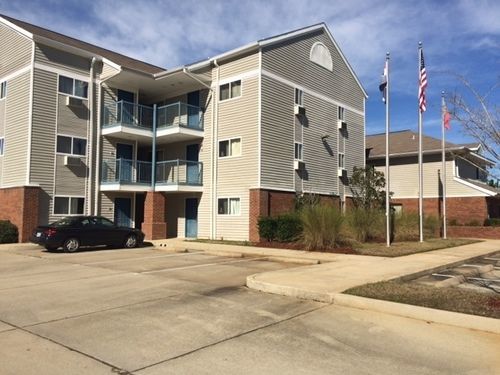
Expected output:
{"points": [[126, 108], [192, 168], [191, 217], [193, 99], [124, 162], [123, 212]]}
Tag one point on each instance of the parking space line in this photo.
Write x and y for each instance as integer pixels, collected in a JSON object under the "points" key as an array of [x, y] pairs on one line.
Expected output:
{"points": [[204, 265], [151, 257]]}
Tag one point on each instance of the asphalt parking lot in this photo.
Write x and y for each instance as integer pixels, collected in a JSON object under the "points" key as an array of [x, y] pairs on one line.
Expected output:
{"points": [[146, 311]]}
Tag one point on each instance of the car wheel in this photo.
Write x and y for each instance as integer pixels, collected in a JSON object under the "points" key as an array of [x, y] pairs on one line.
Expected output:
{"points": [[131, 241], [51, 248], [71, 245]]}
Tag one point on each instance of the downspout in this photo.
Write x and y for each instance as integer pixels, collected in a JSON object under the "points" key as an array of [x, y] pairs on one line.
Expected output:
{"points": [[90, 141], [215, 125]]}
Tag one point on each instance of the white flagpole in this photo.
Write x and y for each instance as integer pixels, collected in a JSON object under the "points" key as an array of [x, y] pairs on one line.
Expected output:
{"points": [[420, 166], [387, 169], [443, 183]]}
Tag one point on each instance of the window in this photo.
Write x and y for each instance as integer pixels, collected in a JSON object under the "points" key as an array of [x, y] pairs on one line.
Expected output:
{"points": [[320, 55], [68, 205], [73, 87], [71, 145], [2, 143], [230, 147], [342, 113], [341, 160], [3, 89], [299, 151], [230, 90], [299, 97], [229, 206]]}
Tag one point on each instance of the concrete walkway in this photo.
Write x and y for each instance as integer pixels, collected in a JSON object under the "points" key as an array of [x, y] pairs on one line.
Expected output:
{"points": [[325, 276]]}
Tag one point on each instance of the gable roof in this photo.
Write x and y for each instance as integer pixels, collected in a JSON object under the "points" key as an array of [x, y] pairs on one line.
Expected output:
{"points": [[122, 60]]}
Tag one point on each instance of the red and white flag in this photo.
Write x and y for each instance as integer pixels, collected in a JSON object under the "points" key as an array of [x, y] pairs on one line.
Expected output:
{"points": [[422, 83]]}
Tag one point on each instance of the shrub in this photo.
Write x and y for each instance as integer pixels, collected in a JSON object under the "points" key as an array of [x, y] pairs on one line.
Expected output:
{"points": [[288, 228], [406, 226], [431, 226], [453, 222], [474, 223], [321, 227], [267, 227], [493, 222], [366, 224], [8, 232]]}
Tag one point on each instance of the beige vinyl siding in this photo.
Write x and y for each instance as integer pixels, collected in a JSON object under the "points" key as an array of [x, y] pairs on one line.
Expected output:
{"points": [[43, 138], [241, 65], [290, 60], [107, 71], [108, 204], [70, 180], [176, 214], [277, 135], [72, 120], [15, 51], [320, 156], [2, 117], [60, 59], [238, 118], [16, 131], [204, 213], [354, 143], [404, 179]]}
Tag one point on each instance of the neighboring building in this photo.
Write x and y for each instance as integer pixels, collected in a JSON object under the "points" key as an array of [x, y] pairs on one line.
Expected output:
{"points": [[468, 196], [198, 151]]}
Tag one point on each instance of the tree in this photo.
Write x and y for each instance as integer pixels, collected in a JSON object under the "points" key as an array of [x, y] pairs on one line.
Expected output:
{"points": [[367, 186], [479, 116]]}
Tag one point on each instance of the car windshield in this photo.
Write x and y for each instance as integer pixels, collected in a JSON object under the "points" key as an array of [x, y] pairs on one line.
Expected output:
{"points": [[65, 222]]}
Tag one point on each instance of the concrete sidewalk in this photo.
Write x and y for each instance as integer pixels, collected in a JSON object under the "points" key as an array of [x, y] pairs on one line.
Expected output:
{"points": [[325, 276]]}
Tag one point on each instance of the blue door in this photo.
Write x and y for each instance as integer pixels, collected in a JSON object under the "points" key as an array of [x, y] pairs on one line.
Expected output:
{"points": [[125, 109], [124, 162], [193, 99], [192, 168], [123, 212], [191, 217]]}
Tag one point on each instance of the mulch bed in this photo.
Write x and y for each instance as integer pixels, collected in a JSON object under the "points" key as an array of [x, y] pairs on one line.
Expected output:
{"points": [[298, 246]]}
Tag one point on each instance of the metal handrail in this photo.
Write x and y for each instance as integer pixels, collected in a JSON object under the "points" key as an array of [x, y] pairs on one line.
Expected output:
{"points": [[180, 114], [129, 114], [126, 171], [179, 172]]}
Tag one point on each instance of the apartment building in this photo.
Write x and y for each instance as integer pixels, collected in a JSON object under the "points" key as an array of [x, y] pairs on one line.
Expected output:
{"points": [[201, 151], [469, 198]]}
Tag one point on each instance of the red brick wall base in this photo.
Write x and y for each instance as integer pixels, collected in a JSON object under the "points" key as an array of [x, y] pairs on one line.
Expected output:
{"points": [[274, 203], [462, 209], [20, 205], [154, 225], [492, 233]]}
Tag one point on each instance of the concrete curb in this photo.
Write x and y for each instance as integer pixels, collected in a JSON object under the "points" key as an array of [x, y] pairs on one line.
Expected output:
{"points": [[475, 322]]}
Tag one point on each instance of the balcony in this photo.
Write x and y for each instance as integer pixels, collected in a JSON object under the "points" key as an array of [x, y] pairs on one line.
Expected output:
{"points": [[179, 176], [128, 120], [125, 175], [179, 122]]}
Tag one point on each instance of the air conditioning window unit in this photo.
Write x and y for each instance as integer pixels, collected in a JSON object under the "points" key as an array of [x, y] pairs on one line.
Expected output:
{"points": [[74, 102], [72, 161], [298, 164], [299, 110], [342, 124], [342, 173]]}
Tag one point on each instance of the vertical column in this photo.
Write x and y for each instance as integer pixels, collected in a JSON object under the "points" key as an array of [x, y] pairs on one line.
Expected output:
{"points": [[154, 225]]}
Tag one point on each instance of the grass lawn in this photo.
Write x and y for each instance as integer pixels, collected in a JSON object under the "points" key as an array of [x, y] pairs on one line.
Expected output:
{"points": [[451, 299], [398, 249]]}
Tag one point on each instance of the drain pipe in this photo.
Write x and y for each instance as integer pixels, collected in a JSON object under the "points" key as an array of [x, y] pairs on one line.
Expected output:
{"points": [[90, 140], [215, 131]]}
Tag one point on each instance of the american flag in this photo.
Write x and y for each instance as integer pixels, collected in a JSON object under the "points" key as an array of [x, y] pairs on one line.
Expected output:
{"points": [[422, 84]]}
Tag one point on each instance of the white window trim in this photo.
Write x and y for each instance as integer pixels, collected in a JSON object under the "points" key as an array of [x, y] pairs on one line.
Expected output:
{"points": [[302, 153], [69, 204], [310, 56], [228, 198], [343, 160], [2, 149], [230, 156], [301, 96], [72, 95], [342, 110], [229, 83], [6, 88], [72, 137]]}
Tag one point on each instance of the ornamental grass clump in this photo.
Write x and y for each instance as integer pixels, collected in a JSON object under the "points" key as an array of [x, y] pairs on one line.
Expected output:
{"points": [[321, 226], [366, 223]]}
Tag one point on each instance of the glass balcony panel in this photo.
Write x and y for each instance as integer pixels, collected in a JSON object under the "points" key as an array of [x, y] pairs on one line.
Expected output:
{"points": [[128, 114], [124, 171], [180, 114], [179, 172]]}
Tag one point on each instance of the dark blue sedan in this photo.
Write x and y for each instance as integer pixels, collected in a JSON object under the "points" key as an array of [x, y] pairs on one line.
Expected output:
{"points": [[74, 231]]}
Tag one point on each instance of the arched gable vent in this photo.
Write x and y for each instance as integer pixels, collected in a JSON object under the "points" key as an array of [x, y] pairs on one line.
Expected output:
{"points": [[321, 56]]}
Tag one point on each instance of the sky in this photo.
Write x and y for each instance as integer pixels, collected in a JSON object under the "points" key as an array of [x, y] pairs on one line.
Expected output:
{"points": [[459, 37]]}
